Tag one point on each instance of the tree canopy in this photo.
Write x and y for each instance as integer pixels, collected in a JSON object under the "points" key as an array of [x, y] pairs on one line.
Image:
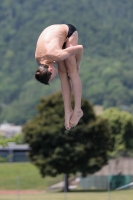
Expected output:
{"points": [[105, 30], [55, 150], [121, 124]]}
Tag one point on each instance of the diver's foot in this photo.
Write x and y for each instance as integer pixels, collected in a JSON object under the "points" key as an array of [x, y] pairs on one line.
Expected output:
{"points": [[75, 118], [68, 116]]}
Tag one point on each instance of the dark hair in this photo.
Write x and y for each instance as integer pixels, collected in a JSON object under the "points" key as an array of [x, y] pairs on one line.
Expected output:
{"points": [[42, 74]]}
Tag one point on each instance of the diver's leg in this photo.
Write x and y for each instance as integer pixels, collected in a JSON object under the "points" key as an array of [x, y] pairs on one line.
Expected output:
{"points": [[72, 68], [66, 92]]}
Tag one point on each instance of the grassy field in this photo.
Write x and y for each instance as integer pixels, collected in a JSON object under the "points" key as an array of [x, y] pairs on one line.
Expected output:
{"points": [[24, 175], [119, 195]]}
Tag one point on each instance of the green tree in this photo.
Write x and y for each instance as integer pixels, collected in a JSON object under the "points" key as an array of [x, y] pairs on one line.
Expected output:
{"points": [[121, 125], [17, 138], [106, 35], [55, 150]]}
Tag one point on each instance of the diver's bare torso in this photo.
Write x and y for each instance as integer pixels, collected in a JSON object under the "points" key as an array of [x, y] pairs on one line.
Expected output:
{"points": [[49, 42]]}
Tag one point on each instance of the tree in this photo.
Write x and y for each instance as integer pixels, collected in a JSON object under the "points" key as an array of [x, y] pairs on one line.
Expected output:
{"points": [[121, 125], [55, 150], [106, 35], [17, 138]]}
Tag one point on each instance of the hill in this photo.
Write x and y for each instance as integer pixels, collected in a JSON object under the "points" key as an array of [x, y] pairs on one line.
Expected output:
{"points": [[105, 29]]}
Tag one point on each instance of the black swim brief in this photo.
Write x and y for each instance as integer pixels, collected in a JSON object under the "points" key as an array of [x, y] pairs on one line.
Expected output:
{"points": [[71, 30]]}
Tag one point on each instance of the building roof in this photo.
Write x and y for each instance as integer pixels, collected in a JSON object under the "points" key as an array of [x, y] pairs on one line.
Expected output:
{"points": [[13, 146]]}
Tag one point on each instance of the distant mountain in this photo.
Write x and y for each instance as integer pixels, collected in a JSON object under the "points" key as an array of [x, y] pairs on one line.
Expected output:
{"points": [[105, 29]]}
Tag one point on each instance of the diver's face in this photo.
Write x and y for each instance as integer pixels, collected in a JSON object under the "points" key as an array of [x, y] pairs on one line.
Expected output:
{"points": [[53, 70]]}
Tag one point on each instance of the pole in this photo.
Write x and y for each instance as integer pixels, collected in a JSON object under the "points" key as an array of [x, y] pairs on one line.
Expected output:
{"points": [[18, 187], [109, 181]]}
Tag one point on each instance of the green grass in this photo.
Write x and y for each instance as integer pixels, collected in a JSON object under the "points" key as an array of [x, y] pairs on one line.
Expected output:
{"points": [[25, 174], [119, 195], [30, 178]]}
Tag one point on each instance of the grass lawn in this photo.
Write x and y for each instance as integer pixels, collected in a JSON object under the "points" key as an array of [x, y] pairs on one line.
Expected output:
{"points": [[119, 195], [25, 176]]}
